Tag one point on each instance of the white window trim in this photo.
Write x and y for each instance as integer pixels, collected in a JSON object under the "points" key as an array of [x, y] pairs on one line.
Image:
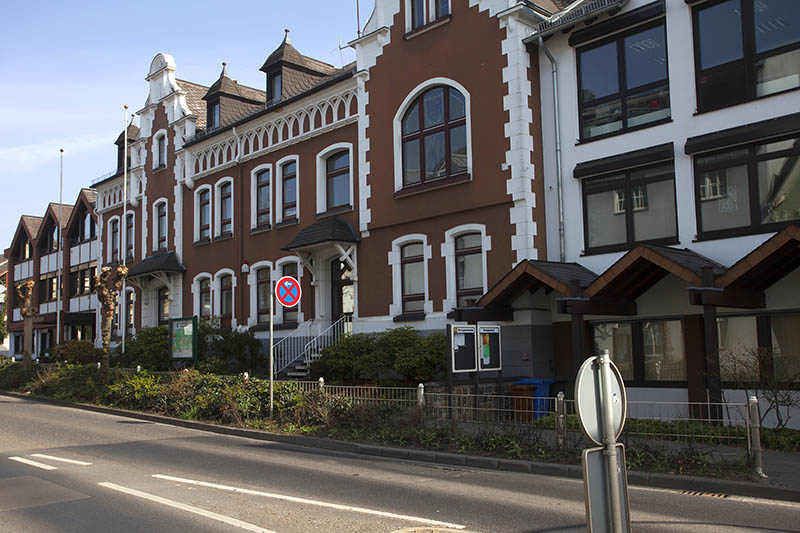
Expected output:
{"points": [[216, 293], [398, 119], [132, 331], [157, 203], [252, 282], [395, 261], [322, 175], [131, 214], [279, 188], [154, 147], [109, 233], [430, 12], [196, 292], [277, 273], [218, 206], [254, 193], [449, 254], [197, 193]]}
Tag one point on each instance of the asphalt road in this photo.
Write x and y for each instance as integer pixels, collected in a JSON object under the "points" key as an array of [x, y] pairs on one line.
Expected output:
{"points": [[131, 475]]}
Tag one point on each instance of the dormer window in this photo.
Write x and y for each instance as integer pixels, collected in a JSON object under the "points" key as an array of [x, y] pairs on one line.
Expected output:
{"points": [[213, 115], [274, 86]]}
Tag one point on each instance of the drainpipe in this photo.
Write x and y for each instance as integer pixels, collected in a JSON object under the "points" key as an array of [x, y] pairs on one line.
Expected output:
{"points": [[559, 179]]}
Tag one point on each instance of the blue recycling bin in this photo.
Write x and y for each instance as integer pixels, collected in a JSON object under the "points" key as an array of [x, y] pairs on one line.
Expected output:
{"points": [[541, 395]]}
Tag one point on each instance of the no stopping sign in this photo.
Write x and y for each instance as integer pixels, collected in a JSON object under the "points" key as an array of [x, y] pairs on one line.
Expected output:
{"points": [[288, 291]]}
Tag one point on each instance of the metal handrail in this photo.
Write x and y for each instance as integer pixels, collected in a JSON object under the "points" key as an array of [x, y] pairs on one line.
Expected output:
{"points": [[342, 326], [292, 346]]}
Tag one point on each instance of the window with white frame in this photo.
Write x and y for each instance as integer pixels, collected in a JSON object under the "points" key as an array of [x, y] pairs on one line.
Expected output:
{"points": [[163, 306], [290, 314], [409, 261], [261, 197], [203, 296], [465, 250], [287, 191], [288, 266], [130, 237], [334, 177], [263, 289], [423, 12], [202, 213], [223, 207], [160, 150], [113, 239], [432, 136], [160, 225]]}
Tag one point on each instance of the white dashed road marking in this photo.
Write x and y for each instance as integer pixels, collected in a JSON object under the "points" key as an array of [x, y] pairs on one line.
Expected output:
{"points": [[63, 460], [33, 463], [310, 502], [183, 507]]}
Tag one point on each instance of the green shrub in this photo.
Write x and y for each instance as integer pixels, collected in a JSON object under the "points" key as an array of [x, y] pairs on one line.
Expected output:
{"points": [[141, 392], [396, 355], [74, 383], [149, 348], [76, 352], [13, 376]]}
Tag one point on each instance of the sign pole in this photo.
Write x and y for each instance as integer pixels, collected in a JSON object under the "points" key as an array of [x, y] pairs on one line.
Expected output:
{"points": [[610, 442], [271, 351]]}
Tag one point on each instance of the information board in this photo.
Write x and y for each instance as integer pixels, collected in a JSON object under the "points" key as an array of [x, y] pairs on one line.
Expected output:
{"points": [[462, 341], [489, 348], [183, 337]]}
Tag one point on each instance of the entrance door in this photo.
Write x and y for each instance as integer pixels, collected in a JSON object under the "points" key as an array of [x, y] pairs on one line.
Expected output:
{"points": [[343, 292]]}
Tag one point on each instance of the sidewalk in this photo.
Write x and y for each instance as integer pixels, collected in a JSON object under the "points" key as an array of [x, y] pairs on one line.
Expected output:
{"points": [[783, 469]]}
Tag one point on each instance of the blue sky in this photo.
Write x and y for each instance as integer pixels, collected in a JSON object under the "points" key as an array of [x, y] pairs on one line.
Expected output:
{"points": [[67, 69]]}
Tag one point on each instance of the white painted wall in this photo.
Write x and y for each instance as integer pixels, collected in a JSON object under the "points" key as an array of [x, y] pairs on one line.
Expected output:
{"points": [[684, 124]]}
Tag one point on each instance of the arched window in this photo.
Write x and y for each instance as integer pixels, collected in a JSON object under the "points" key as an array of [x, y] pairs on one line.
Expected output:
{"points": [[114, 240], [226, 209], [205, 297], [412, 259], [289, 178], [337, 178], [204, 200], [226, 299], [434, 136], [263, 293], [469, 269], [163, 306]]}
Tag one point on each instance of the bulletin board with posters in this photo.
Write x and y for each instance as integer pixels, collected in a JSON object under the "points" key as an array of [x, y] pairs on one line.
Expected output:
{"points": [[462, 348], [488, 347]]}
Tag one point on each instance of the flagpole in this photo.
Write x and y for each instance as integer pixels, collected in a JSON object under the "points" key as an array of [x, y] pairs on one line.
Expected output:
{"points": [[59, 258], [124, 222]]}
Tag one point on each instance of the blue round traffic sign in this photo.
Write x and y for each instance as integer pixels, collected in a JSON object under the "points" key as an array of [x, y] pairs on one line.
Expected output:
{"points": [[288, 291]]}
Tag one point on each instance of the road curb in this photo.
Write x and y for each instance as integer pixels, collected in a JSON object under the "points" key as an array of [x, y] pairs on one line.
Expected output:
{"points": [[635, 478]]}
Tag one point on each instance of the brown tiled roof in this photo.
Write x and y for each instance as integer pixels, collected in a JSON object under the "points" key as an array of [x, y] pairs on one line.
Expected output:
{"points": [[767, 264], [91, 195], [226, 85], [646, 265], [66, 211], [289, 54], [194, 99], [531, 275], [32, 224], [330, 229], [133, 133]]}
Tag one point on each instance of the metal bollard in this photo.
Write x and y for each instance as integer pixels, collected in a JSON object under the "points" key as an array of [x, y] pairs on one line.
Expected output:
{"points": [[98, 365], [561, 421], [755, 436], [321, 383], [421, 395], [13, 359], [246, 376], [138, 368]]}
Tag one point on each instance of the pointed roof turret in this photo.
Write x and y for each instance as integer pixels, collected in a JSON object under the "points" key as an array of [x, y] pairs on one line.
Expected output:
{"points": [[225, 85], [286, 53], [133, 133]]}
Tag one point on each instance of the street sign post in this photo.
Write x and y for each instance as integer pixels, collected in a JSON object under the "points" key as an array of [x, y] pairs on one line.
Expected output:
{"points": [[601, 407], [288, 293], [596, 486]]}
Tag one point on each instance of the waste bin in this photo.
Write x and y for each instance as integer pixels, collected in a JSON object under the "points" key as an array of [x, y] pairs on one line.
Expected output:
{"points": [[541, 392], [523, 401]]}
